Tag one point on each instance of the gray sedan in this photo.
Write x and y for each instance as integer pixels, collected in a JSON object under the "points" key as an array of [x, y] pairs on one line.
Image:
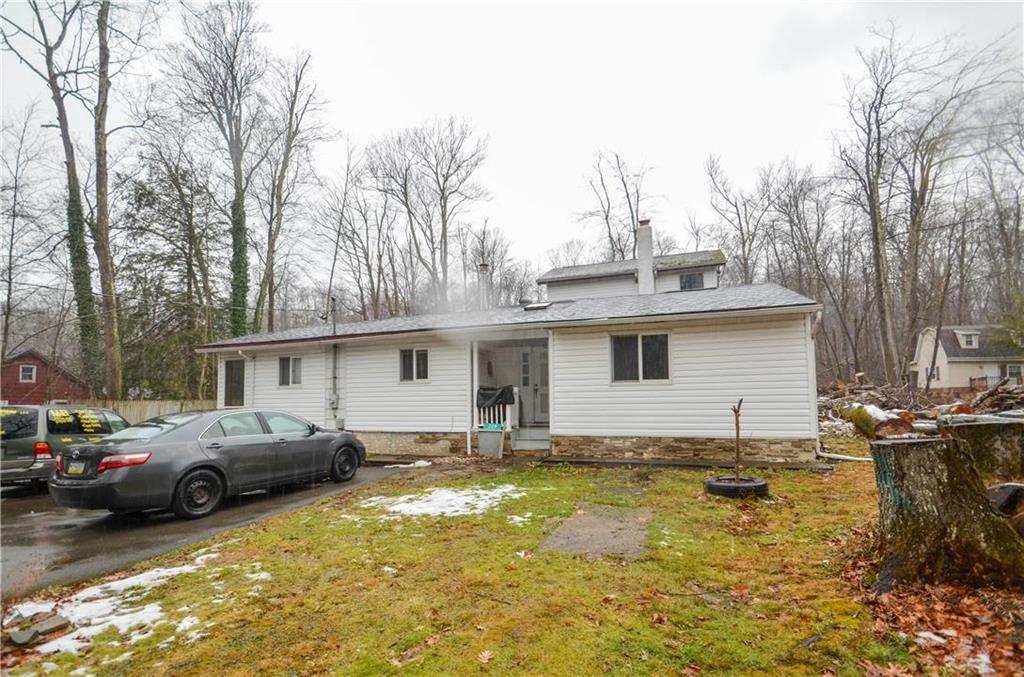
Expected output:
{"points": [[189, 462]]}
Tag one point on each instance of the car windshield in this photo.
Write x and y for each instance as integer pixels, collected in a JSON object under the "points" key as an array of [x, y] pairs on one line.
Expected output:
{"points": [[18, 423], [153, 427]]}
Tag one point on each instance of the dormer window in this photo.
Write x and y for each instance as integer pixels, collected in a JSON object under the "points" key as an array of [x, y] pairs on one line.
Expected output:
{"points": [[969, 340], [691, 281]]}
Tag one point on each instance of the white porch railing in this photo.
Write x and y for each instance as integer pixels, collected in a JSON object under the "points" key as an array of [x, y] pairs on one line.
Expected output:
{"points": [[506, 415]]}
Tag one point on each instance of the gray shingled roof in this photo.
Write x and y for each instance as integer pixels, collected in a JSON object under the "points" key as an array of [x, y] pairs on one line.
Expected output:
{"points": [[749, 297], [710, 257], [993, 343]]}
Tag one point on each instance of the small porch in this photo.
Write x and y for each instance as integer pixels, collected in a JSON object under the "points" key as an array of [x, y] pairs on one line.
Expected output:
{"points": [[521, 365]]}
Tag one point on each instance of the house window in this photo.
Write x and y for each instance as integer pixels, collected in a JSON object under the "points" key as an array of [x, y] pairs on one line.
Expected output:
{"points": [[690, 281], [640, 357], [289, 371], [234, 383], [1013, 370], [969, 340], [413, 364], [933, 373], [27, 373]]}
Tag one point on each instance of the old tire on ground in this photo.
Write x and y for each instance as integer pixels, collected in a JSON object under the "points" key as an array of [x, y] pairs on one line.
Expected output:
{"points": [[344, 464], [726, 485], [198, 494]]}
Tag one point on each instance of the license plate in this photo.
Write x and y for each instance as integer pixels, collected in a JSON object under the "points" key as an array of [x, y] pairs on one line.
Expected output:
{"points": [[76, 468]]}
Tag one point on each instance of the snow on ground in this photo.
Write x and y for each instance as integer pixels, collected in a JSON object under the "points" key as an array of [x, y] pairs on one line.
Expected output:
{"points": [[416, 464], [520, 520], [109, 605], [30, 609], [445, 502]]}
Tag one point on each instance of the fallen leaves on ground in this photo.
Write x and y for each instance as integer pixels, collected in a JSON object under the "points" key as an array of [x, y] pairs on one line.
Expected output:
{"points": [[951, 626], [485, 656]]}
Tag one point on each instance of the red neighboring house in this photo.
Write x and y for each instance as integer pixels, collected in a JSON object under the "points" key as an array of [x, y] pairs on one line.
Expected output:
{"points": [[29, 377]]}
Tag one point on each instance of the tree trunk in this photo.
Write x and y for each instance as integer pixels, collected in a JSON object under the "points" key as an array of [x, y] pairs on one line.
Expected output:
{"points": [[239, 260], [78, 250], [101, 232], [874, 423], [937, 523]]}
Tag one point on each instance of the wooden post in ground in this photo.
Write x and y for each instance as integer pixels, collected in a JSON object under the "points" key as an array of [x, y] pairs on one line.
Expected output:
{"points": [[937, 523]]}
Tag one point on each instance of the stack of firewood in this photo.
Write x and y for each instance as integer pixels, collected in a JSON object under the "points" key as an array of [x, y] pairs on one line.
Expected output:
{"points": [[1002, 397]]}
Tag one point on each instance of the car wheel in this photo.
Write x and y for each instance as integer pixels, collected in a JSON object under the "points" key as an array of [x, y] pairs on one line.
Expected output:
{"points": [[344, 465], [198, 494]]}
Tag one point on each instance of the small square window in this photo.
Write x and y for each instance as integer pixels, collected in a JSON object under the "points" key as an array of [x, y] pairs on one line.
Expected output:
{"points": [[691, 281], [27, 373], [289, 371], [413, 365], [969, 340]]}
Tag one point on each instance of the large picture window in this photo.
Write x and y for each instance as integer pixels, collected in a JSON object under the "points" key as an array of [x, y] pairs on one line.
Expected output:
{"points": [[289, 371], [640, 357], [413, 364], [234, 383]]}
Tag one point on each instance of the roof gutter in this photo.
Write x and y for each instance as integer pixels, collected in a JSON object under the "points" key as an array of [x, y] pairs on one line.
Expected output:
{"points": [[600, 321]]}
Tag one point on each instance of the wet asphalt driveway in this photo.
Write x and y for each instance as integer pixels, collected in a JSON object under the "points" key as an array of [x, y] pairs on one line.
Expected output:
{"points": [[42, 544]]}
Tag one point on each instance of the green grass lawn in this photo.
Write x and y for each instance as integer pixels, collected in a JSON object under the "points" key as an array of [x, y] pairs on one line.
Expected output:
{"points": [[726, 586]]}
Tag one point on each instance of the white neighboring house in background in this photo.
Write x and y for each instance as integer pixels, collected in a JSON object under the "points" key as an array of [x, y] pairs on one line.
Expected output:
{"points": [[970, 357], [632, 359]]}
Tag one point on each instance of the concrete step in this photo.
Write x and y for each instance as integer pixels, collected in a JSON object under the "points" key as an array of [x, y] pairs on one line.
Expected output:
{"points": [[532, 433], [520, 444]]}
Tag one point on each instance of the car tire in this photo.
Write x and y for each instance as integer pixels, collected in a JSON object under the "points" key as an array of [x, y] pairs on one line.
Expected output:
{"points": [[344, 464], [726, 485], [197, 494]]}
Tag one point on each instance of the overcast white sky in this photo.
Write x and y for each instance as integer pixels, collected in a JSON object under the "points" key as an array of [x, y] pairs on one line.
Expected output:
{"points": [[662, 84]]}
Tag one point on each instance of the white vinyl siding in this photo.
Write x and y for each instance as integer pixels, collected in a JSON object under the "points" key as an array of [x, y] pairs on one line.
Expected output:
{"points": [[377, 401], [668, 280], [600, 287], [262, 373], [712, 365]]}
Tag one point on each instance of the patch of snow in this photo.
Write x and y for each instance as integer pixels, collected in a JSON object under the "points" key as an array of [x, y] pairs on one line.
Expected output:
{"points": [[202, 559], [81, 636], [49, 667], [194, 636], [927, 638], [119, 659], [255, 591], [981, 663], [524, 554], [389, 570], [187, 623], [445, 502], [416, 464], [259, 576], [167, 642], [30, 609], [520, 520]]}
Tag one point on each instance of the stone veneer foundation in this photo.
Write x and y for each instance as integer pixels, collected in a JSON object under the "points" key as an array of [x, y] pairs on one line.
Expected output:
{"points": [[413, 444], [683, 448]]}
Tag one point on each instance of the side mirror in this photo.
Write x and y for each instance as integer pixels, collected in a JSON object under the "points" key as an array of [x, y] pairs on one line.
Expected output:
{"points": [[313, 428]]}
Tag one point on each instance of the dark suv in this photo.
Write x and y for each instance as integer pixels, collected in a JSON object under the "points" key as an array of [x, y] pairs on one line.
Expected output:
{"points": [[31, 436]]}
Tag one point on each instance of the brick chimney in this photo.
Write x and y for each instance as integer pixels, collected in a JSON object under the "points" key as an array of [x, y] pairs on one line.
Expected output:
{"points": [[644, 257]]}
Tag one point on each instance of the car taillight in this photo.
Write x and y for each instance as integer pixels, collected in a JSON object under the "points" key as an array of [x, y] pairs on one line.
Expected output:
{"points": [[123, 461], [43, 450], [60, 462]]}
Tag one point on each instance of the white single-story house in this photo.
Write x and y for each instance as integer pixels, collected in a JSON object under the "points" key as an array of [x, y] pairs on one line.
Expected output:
{"points": [[969, 357], [631, 359]]}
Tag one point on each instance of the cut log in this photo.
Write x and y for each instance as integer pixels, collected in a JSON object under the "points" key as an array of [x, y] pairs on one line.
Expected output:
{"points": [[937, 522], [984, 395], [875, 423], [926, 427], [907, 416], [955, 409]]}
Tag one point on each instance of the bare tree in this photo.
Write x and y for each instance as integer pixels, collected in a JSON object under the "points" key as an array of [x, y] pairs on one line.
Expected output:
{"points": [[288, 170], [620, 196], [217, 71], [53, 44], [744, 216], [26, 241], [430, 172]]}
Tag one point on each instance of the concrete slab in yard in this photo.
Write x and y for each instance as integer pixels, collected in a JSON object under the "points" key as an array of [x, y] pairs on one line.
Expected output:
{"points": [[598, 530]]}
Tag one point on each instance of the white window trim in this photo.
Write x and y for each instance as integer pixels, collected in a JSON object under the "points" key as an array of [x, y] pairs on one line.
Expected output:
{"points": [[640, 357], [415, 377], [21, 374], [291, 372]]}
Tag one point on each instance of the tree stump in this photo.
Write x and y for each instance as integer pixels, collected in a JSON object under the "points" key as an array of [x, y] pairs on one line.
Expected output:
{"points": [[937, 523], [996, 447]]}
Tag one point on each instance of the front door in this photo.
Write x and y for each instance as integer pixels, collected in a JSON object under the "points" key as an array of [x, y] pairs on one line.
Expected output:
{"points": [[534, 392]]}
